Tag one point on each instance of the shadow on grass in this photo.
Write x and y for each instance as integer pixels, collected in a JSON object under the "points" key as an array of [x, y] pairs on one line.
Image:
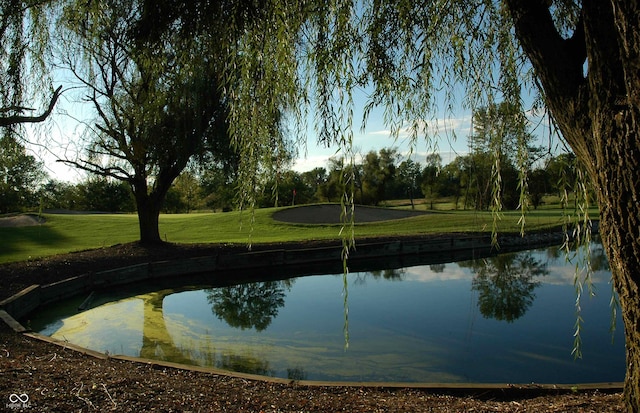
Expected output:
{"points": [[19, 240]]}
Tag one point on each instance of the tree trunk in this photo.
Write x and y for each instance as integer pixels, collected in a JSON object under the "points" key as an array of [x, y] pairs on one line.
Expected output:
{"points": [[148, 221], [599, 116], [615, 115], [149, 201], [148, 206], [619, 188]]}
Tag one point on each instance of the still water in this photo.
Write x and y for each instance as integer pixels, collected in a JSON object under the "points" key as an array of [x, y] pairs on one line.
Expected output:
{"points": [[504, 319]]}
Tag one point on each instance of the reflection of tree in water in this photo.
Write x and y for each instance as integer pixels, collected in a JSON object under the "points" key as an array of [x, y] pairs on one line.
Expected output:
{"points": [[598, 260], [296, 373], [438, 268], [505, 284], [252, 305], [244, 364], [391, 274]]}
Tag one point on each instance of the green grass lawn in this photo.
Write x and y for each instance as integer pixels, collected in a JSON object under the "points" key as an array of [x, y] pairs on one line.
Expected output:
{"points": [[67, 233]]}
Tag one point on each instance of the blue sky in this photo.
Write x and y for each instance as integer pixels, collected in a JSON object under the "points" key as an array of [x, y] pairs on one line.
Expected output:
{"points": [[62, 131], [449, 130], [377, 136]]}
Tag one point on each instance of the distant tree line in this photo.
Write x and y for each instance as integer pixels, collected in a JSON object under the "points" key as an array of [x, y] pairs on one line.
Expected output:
{"points": [[383, 176], [379, 177], [494, 172]]}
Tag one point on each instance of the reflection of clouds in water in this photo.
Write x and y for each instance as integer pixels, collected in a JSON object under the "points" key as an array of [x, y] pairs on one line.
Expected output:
{"points": [[560, 274], [562, 267], [561, 271], [425, 273]]}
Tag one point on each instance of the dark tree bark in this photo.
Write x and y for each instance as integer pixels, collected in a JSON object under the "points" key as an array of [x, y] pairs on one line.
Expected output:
{"points": [[148, 206], [6, 121], [148, 218], [149, 201], [599, 114]]}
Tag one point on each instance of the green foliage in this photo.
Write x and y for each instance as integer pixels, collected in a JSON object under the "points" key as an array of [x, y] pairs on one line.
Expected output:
{"points": [[24, 62], [185, 195], [312, 181], [59, 195], [378, 170], [261, 87], [158, 101], [538, 184], [64, 233], [432, 177], [218, 189], [20, 176], [408, 180], [287, 188], [104, 195]]}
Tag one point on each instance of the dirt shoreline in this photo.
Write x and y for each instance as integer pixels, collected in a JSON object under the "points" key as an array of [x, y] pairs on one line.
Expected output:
{"points": [[62, 380]]}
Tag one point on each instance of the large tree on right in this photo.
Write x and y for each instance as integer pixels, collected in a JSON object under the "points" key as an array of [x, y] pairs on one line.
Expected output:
{"points": [[591, 84], [582, 56]]}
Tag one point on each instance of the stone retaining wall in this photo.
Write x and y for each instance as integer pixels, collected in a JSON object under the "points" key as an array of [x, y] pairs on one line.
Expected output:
{"points": [[438, 250]]}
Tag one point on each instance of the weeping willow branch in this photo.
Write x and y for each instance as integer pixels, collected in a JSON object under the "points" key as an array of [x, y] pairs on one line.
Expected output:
{"points": [[583, 273], [291, 54], [6, 121]]}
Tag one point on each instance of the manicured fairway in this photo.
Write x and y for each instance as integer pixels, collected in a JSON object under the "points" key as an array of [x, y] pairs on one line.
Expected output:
{"points": [[63, 233]]}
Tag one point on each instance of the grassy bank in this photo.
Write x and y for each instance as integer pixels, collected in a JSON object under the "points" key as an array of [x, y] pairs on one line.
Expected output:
{"points": [[66, 233]]}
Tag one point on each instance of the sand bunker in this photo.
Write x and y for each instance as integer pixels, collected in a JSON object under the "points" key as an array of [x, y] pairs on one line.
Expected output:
{"points": [[330, 214], [22, 220]]}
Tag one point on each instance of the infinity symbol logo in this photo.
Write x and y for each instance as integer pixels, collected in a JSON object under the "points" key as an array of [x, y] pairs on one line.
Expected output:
{"points": [[22, 398]]}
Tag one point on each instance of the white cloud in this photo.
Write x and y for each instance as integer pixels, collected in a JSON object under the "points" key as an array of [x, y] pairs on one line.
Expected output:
{"points": [[308, 163], [424, 273], [439, 128]]}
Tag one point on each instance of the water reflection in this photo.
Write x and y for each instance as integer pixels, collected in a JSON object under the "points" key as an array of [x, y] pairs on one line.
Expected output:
{"points": [[245, 364], [296, 373], [418, 323], [391, 274], [506, 284], [157, 343], [438, 268], [247, 306]]}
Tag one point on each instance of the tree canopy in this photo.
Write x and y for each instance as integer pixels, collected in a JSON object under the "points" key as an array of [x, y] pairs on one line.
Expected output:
{"points": [[581, 57], [284, 61], [24, 63], [158, 100]]}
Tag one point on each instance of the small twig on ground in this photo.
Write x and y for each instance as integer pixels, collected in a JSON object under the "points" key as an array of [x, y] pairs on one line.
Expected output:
{"points": [[84, 399], [55, 355], [110, 398]]}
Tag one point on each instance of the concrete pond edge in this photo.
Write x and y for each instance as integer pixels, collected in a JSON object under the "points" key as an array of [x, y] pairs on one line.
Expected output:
{"points": [[441, 249]]}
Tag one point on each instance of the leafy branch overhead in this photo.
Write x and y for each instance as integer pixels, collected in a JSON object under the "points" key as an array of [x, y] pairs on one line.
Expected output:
{"points": [[269, 68], [10, 120]]}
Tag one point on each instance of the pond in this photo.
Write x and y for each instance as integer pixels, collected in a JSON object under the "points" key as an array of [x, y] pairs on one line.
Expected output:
{"points": [[508, 318]]}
